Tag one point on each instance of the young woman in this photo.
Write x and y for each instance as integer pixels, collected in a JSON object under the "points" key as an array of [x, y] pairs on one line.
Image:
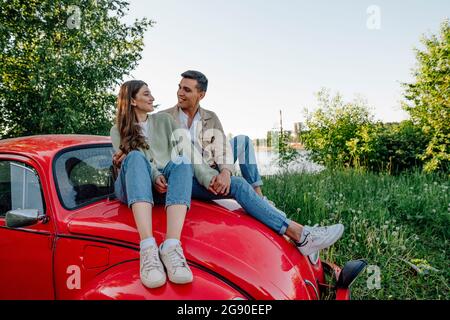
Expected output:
{"points": [[146, 142]]}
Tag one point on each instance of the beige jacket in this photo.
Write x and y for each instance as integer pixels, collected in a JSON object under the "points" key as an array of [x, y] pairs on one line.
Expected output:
{"points": [[216, 149]]}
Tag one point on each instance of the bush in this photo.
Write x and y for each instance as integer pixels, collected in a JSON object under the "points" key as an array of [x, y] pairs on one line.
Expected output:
{"points": [[392, 147], [428, 98], [332, 126], [344, 135]]}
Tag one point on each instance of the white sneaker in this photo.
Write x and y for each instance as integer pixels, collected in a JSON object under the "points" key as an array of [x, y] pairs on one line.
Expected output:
{"points": [[178, 270], [152, 271], [318, 238]]}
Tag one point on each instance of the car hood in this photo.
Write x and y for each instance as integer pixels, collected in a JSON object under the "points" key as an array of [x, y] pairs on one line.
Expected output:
{"points": [[230, 244]]}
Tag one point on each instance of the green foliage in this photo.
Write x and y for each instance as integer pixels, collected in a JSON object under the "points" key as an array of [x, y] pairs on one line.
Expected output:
{"points": [[428, 98], [391, 148], [59, 62], [286, 154], [388, 220], [344, 135], [332, 126], [397, 147]]}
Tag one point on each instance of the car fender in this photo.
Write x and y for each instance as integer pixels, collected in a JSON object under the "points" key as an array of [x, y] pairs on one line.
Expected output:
{"points": [[122, 281]]}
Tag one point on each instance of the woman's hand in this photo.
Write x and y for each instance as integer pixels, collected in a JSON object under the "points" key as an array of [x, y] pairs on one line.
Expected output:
{"points": [[118, 158], [161, 184]]}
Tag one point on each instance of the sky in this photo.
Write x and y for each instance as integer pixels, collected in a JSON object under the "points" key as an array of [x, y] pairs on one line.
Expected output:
{"points": [[264, 56]]}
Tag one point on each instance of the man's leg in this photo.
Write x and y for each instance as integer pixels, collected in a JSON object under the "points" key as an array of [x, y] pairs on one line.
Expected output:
{"points": [[308, 239], [252, 203], [243, 150]]}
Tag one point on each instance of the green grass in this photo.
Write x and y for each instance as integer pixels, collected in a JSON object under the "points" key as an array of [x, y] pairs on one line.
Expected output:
{"points": [[387, 219]]}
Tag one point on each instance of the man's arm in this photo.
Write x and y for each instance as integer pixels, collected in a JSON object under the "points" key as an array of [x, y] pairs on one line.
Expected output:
{"points": [[183, 145]]}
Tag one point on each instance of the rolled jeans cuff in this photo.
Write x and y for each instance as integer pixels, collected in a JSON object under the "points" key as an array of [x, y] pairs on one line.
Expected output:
{"points": [[258, 183], [284, 226], [178, 202], [131, 202]]}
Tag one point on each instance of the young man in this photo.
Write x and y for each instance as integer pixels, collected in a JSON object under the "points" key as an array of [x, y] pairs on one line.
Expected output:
{"points": [[209, 139], [208, 136]]}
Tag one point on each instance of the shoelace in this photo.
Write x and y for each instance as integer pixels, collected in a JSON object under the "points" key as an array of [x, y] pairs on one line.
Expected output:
{"points": [[318, 232], [176, 258], [151, 261]]}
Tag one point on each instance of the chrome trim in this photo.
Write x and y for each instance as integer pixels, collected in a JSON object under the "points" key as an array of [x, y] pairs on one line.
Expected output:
{"points": [[314, 287]]}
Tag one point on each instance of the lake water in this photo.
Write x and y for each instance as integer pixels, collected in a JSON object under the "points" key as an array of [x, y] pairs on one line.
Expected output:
{"points": [[267, 163]]}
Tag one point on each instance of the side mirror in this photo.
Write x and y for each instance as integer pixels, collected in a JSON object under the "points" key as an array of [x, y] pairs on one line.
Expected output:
{"points": [[350, 272], [24, 217]]}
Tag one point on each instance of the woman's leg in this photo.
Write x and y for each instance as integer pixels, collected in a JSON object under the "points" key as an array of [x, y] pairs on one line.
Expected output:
{"points": [[142, 212], [134, 188], [179, 175]]}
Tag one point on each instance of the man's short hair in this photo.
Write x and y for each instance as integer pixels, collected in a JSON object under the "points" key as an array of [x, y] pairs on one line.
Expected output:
{"points": [[202, 81]]}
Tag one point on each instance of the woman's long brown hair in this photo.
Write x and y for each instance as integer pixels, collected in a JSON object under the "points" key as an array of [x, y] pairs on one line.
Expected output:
{"points": [[126, 118]]}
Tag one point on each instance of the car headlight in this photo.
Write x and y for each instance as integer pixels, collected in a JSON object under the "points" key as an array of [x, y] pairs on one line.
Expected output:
{"points": [[314, 257]]}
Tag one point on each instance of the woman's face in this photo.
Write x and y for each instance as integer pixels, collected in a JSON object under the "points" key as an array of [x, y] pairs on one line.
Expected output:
{"points": [[143, 102]]}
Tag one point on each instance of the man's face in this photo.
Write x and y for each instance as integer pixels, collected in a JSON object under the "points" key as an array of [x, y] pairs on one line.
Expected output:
{"points": [[189, 95]]}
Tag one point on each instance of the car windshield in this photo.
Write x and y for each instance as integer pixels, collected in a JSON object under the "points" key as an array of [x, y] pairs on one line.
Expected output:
{"points": [[83, 175]]}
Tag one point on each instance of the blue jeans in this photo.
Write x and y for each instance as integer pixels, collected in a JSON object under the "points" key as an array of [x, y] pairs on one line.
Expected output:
{"points": [[252, 203], [243, 150], [134, 182]]}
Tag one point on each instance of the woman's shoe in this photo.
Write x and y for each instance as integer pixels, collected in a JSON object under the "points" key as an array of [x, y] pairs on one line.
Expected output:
{"points": [[151, 269], [173, 258]]}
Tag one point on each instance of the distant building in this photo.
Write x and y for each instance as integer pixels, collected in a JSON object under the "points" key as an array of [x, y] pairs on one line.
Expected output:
{"points": [[299, 127]]}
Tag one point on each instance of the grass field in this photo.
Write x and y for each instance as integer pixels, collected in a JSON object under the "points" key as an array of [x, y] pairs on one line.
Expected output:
{"points": [[389, 221]]}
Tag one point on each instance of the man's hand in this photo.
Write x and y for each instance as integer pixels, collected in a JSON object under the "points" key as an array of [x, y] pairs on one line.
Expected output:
{"points": [[211, 184], [161, 184], [118, 158], [222, 182]]}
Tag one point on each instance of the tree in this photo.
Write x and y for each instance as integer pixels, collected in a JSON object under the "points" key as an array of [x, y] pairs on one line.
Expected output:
{"points": [[331, 126], [60, 61], [428, 98]]}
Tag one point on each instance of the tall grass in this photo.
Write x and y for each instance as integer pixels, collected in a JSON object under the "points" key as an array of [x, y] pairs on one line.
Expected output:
{"points": [[388, 220]]}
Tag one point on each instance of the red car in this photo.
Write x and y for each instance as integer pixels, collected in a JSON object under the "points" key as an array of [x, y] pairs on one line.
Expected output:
{"points": [[63, 235]]}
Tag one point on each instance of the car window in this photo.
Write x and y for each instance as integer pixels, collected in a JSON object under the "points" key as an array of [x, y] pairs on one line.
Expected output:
{"points": [[19, 188], [84, 175]]}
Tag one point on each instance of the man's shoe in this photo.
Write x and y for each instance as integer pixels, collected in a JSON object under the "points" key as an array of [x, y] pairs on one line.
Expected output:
{"points": [[151, 269], [178, 270], [318, 238]]}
